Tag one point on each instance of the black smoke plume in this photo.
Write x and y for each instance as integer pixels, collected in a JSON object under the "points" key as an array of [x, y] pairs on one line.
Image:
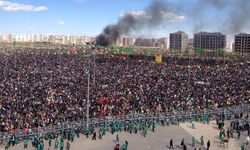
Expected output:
{"points": [[232, 17], [152, 16]]}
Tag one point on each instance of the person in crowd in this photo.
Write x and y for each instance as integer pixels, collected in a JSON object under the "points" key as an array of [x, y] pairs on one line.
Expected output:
{"points": [[184, 147], [117, 146], [56, 144], [193, 142], [94, 136], [202, 140], [208, 144], [125, 145], [117, 138], [25, 143], [182, 142], [67, 145], [171, 144]]}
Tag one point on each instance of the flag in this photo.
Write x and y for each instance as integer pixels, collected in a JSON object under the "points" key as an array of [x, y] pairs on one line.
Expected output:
{"points": [[101, 100], [129, 51], [158, 58], [81, 54]]}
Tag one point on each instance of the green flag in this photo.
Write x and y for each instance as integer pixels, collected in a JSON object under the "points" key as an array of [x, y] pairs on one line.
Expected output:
{"points": [[131, 51], [128, 50], [81, 54]]}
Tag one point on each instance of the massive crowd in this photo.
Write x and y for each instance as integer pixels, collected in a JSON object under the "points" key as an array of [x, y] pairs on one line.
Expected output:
{"points": [[39, 89]]}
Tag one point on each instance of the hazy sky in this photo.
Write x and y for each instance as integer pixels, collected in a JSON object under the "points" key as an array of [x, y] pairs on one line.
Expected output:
{"points": [[89, 17]]}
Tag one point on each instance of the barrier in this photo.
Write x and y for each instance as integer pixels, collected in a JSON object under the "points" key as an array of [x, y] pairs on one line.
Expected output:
{"points": [[170, 118]]}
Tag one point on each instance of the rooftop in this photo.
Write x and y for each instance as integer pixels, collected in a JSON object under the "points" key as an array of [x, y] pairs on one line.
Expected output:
{"points": [[209, 33]]}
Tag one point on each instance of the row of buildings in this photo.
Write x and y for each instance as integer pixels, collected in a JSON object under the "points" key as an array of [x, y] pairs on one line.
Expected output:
{"points": [[178, 40], [161, 43], [202, 40], [209, 41], [62, 39]]}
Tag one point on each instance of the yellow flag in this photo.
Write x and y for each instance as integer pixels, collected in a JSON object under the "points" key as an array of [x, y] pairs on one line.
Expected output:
{"points": [[158, 58]]}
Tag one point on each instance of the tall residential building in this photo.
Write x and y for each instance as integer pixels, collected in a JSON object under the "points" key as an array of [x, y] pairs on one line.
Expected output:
{"points": [[242, 43], [178, 40], [210, 41]]}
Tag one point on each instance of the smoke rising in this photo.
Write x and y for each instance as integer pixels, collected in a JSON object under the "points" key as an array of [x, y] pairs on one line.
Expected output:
{"points": [[152, 16], [235, 17], [232, 17], [238, 17]]}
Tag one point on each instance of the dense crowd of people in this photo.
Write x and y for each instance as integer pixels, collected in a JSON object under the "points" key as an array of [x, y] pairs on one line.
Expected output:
{"points": [[41, 88]]}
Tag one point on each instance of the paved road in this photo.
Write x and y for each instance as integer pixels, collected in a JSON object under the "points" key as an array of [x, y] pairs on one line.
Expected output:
{"points": [[155, 141]]}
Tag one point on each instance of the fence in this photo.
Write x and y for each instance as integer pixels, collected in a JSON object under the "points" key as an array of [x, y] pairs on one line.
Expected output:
{"points": [[227, 112]]}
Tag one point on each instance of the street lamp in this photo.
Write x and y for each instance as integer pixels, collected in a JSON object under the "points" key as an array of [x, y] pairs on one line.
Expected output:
{"points": [[88, 73], [189, 72], [87, 115], [94, 67]]}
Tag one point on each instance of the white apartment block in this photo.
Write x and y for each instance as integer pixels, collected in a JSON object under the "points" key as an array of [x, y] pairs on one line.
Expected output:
{"points": [[62, 39]]}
